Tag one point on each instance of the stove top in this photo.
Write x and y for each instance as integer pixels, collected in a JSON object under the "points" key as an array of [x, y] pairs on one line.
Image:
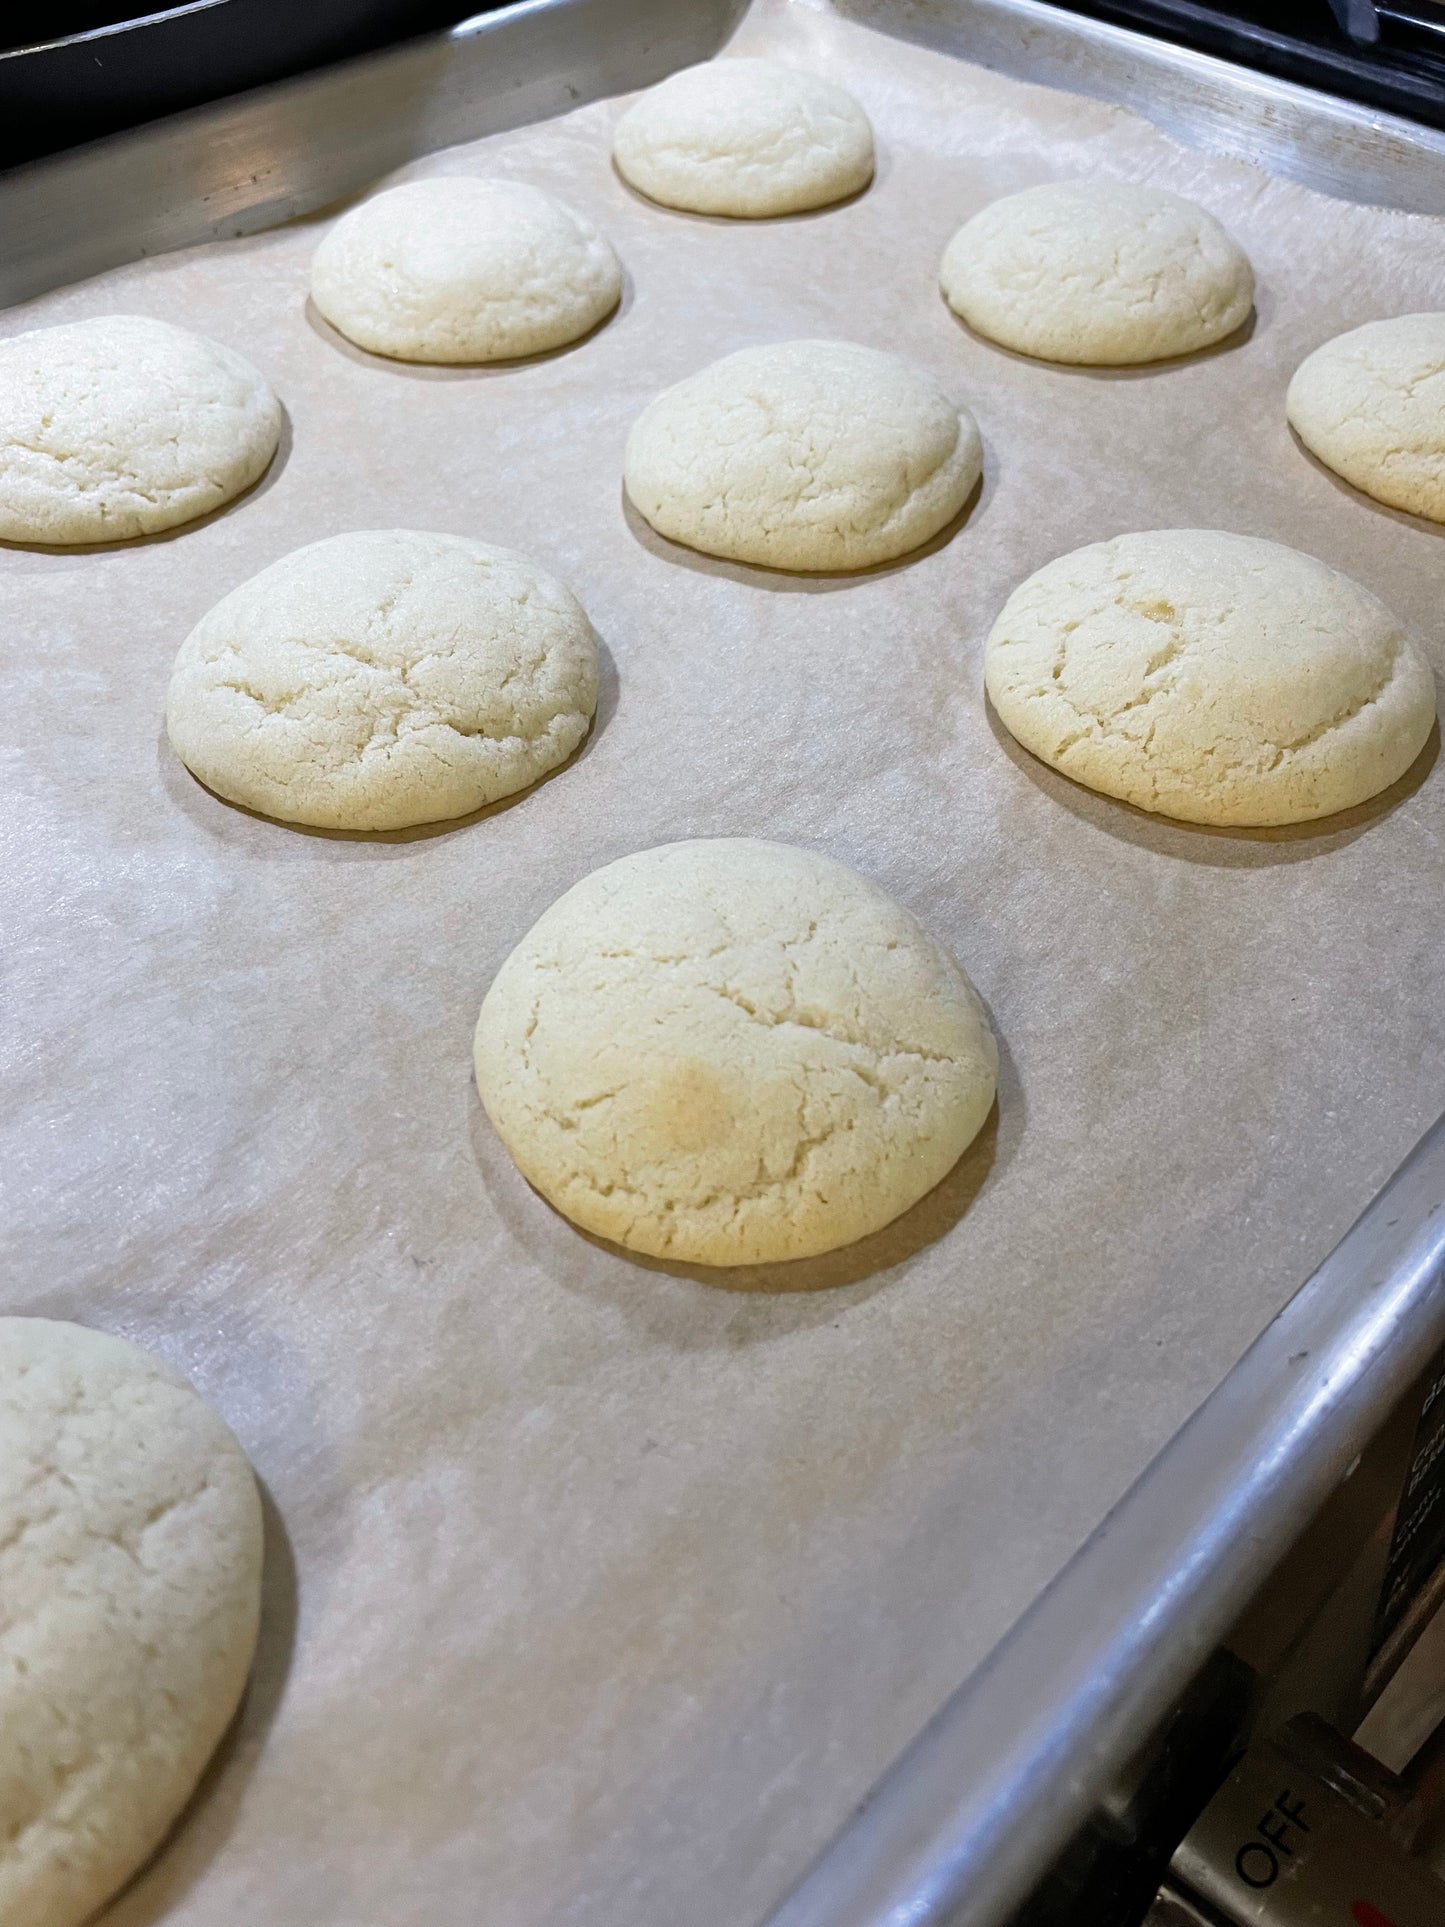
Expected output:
{"points": [[1388, 54], [74, 69]]}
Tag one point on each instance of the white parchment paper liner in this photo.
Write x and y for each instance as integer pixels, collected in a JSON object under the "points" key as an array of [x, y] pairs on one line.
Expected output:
{"points": [[604, 1590]]}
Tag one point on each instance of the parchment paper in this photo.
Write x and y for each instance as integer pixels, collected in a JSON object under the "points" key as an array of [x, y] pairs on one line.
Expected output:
{"points": [[597, 1591]]}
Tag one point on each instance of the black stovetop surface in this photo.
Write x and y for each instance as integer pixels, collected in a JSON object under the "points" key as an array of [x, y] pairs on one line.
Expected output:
{"points": [[74, 69], [1400, 70]]}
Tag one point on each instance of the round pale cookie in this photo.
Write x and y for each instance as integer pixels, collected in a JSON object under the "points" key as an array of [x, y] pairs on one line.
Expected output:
{"points": [[804, 455], [130, 1593], [1371, 405], [1215, 678], [1097, 271], [730, 1052], [746, 138], [463, 270], [382, 679], [122, 426]]}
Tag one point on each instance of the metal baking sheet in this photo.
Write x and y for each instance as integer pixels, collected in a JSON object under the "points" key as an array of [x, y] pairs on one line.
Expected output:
{"points": [[1342, 148], [277, 152], [600, 1590]]}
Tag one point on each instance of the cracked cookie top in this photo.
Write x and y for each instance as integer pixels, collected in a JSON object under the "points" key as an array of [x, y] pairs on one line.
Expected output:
{"points": [[803, 455], [122, 426], [130, 1584], [731, 1052], [1371, 405], [457, 269], [384, 678], [1102, 272], [745, 138], [1211, 677]]}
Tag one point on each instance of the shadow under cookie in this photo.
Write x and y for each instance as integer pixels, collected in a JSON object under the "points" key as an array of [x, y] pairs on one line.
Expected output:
{"points": [[461, 370], [1361, 497], [1116, 371], [553, 1240], [799, 581], [205, 1823], [265, 481], [185, 788], [1230, 847]]}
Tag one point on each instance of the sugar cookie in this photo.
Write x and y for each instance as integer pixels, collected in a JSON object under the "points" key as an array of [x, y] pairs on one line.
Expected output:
{"points": [[123, 426], [383, 679], [731, 1052], [1371, 405], [747, 138], [130, 1593], [804, 455], [457, 269], [1211, 677], [1097, 271]]}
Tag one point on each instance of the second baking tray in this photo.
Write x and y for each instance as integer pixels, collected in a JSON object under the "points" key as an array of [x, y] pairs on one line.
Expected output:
{"points": [[600, 1590]]}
